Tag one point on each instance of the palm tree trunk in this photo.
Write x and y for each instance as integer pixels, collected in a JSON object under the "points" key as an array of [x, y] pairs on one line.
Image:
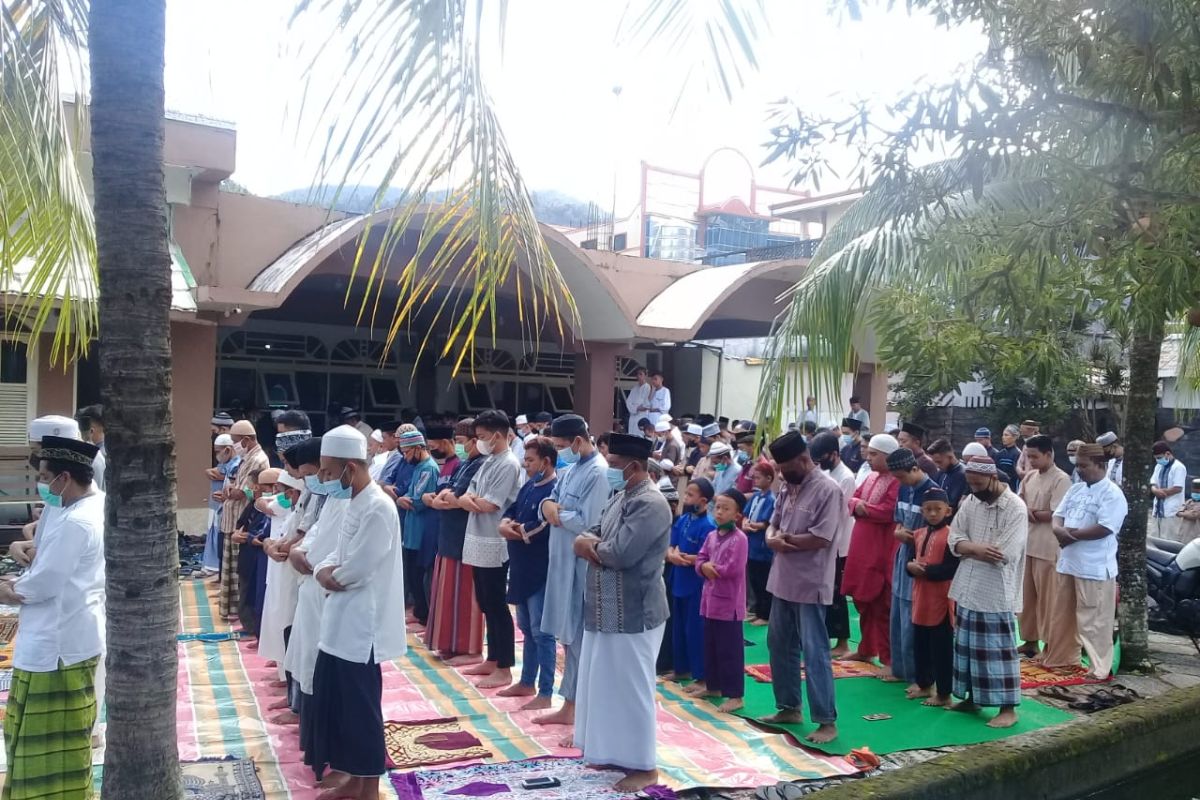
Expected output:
{"points": [[126, 39], [1140, 412]]}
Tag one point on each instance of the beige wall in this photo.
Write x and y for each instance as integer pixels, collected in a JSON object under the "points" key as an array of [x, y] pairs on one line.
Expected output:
{"points": [[253, 232], [194, 364], [55, 385]]}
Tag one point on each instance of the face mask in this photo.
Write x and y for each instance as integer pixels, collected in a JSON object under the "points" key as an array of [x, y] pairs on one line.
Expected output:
{"points": [[283, 501], [616, 478], [1162, 461], [460, 450], [48, 497], [568, 456], [484, 447], [726, 526], [334, 489], [239, 449], [742, 458], [846, 439], [538, 477], [720, 467], [1072, 459], [249, 493], [986, 495], [436, 453], [313, 484]]}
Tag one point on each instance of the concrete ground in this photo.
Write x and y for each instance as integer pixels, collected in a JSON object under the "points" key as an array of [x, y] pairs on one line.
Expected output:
{"points": [[1176, 666]]}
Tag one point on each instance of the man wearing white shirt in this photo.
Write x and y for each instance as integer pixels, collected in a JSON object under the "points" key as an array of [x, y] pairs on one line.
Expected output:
{"points": [[660, 398], [810, 412], [1086, 523], [1167, 483], [637, 402], [359, 626]]}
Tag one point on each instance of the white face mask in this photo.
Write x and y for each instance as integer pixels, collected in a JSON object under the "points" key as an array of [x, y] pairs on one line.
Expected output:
{"points": [[1072, 459], [239, 449], [484, 446]]}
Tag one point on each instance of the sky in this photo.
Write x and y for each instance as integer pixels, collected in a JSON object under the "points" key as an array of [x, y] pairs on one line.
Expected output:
{"points": [[553, 86]]}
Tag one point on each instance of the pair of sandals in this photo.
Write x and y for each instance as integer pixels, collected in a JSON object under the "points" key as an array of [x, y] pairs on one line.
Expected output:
{"points": [[1098, 700]]}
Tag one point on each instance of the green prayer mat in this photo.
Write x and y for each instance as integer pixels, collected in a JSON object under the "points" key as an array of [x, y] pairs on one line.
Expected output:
{"points": [[912, 726]]}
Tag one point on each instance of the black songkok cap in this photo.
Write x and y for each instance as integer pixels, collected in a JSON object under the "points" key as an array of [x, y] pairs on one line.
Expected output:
{"points": [[787, 447], [622, 444]]}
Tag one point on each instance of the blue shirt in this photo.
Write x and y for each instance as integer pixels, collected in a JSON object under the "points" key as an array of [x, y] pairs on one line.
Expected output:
{"points": [[528, 563], [1006, 461], [397, 473], [759, 509], [688, 534], [424, 479], [908, 514], [452, 527], [954, 482]]}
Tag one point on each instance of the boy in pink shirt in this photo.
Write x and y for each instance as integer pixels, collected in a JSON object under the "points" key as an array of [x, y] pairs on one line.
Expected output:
{"points": [[722, 563]]}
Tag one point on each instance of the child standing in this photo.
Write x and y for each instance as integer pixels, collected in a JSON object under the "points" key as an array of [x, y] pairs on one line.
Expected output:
{"points": [[722, 563], [688, 535], [253, 527], [758, 517], [932, 571]]}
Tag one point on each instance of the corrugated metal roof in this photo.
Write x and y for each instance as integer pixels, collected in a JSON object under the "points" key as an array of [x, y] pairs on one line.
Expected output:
{"points": [[277, 274]]}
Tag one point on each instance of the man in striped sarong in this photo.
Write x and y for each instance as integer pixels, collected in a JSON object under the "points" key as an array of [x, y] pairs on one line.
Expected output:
{"points": [[988, 535]]}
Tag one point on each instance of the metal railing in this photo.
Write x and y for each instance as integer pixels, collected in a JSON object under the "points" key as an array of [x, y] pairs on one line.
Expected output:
{"points": [[801, 248]]}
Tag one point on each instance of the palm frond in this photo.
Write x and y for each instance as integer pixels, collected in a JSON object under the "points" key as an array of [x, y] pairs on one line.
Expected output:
{"points": [[47, 235], [412, 111], [886, 240]]}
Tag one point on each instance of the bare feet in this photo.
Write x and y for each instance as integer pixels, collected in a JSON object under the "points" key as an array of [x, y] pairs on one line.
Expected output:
{"points": [[857, 656], [965, 706], [567, 742], [888, 677], [353, 789], [564, 716], [463, 660], [518, 690], [483, 668], [914, 691], [278, 704], [840, 650], [676, 677], [825, 732], [286, 718], [414, 627], [1005, 719], [731, 705], [333, 779], [498, 678], [937, 701], [636, 781], [536, 704], [276, 684], [700, 690], [1028, 649], [758, 623], [785, 716]]}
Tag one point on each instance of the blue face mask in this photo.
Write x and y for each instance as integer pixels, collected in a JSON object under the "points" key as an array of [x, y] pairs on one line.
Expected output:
{"points": [[313, 484], [742, 458], [1162, 461], [48, 497], [846, 439], [568, 456], [616, 478], [1196, 496], [334, 489], [538, 477]]}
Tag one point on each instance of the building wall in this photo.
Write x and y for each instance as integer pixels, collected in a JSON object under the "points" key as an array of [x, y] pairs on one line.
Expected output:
{"points": [[740, 380], [55, 382], [254, 231], [194, 356]]}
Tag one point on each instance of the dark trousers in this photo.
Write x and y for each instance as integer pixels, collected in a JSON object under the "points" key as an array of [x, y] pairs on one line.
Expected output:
{"points": [[293, 687], [249, 606], [724, 657], [934, 651], [414, 582], [688, 636], [490, 593], [757, 573], [837, 618], [347, 718]]}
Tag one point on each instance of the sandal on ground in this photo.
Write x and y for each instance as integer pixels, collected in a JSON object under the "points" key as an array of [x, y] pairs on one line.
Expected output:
{"points": [[863, 758], [1057, 693]]}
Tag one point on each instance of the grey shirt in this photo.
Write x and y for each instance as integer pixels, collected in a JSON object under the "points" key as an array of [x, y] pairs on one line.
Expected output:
{"points": [[626, 594]]}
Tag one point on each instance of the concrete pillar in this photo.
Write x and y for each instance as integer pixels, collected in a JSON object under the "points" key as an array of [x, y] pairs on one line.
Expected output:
{"points": [[595, 379], [55, 382], [871, 386], [194, 369]]}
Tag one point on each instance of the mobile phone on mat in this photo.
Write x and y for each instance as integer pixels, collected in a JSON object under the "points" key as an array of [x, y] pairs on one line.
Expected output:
{"points": [[545, 782]]}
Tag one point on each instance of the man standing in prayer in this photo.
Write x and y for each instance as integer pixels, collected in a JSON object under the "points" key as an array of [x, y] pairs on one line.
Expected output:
{"points": [[810, 413], [824, 454], [360, 630], [1167, 484], [912, 438], [91, 426], [1086, 524], [625, 609], [1029, 428], [914, 483], [1115, 454], [1041, 620], [983, 436], [952, 476], [353, 418], [492, 490], [809, 518], [236, 496], [859, 413], [988, 536], [867, 579], [660, 398], [574, 507], [851, 444], [637, 402], [1072, 451], [52, 703], [1006, 457], [417, 517]]}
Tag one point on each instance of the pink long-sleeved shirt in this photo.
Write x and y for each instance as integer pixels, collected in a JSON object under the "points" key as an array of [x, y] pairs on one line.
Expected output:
{"points": [[725, 597]]}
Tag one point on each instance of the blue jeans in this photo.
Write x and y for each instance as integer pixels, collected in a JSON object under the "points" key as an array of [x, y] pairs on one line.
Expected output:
{"points": [[538, 653], [797, 632], [904, 651], [687, 633]]}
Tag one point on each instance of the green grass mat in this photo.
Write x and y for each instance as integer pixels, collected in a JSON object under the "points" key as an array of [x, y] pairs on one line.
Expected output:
{"points": [[912, 726]]}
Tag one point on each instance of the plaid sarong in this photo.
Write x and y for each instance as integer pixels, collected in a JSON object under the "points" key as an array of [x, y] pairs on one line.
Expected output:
{"points": [[48, 733], [987, 669]]}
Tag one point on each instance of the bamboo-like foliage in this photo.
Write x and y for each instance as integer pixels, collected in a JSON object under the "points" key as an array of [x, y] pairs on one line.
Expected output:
{"points": [[47, 236]]}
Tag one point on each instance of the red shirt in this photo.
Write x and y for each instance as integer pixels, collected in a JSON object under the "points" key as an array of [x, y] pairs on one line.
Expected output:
{"points": [[872, 541], [931, 604]]}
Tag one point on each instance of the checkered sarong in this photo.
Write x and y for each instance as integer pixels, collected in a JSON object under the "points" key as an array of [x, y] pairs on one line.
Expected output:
{"points": [[986, 667]]}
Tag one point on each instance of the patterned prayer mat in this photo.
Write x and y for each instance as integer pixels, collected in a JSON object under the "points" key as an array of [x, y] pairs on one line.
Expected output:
{"points": [[503, 781], [432, 741], [226, 779], [8, 636], [841, 669], [1034, 675], [220, 636], [5, 680]]}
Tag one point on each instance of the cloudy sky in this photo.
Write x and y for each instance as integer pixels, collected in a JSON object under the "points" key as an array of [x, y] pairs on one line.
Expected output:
{"points": [[553, 87]]}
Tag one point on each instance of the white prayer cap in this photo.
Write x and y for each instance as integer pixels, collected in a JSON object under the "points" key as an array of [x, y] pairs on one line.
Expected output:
{"points": [[53, 425], [530, 438], [695, 430], [1105, 439], [224, 440], [665, 418], [719, 449], [243, 427], [662, 426], [521, 420], [344, 441], [290, 482], [667, 464], [377, 436], [972, 450], [884, 443]]}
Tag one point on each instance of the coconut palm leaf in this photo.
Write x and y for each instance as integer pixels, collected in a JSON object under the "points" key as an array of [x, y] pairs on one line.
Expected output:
{"points": [[47, 237]]}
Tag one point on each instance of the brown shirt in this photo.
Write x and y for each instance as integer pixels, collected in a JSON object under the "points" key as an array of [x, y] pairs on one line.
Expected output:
{"points": [[254, 461], [1043, 491], [815, 506]]}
